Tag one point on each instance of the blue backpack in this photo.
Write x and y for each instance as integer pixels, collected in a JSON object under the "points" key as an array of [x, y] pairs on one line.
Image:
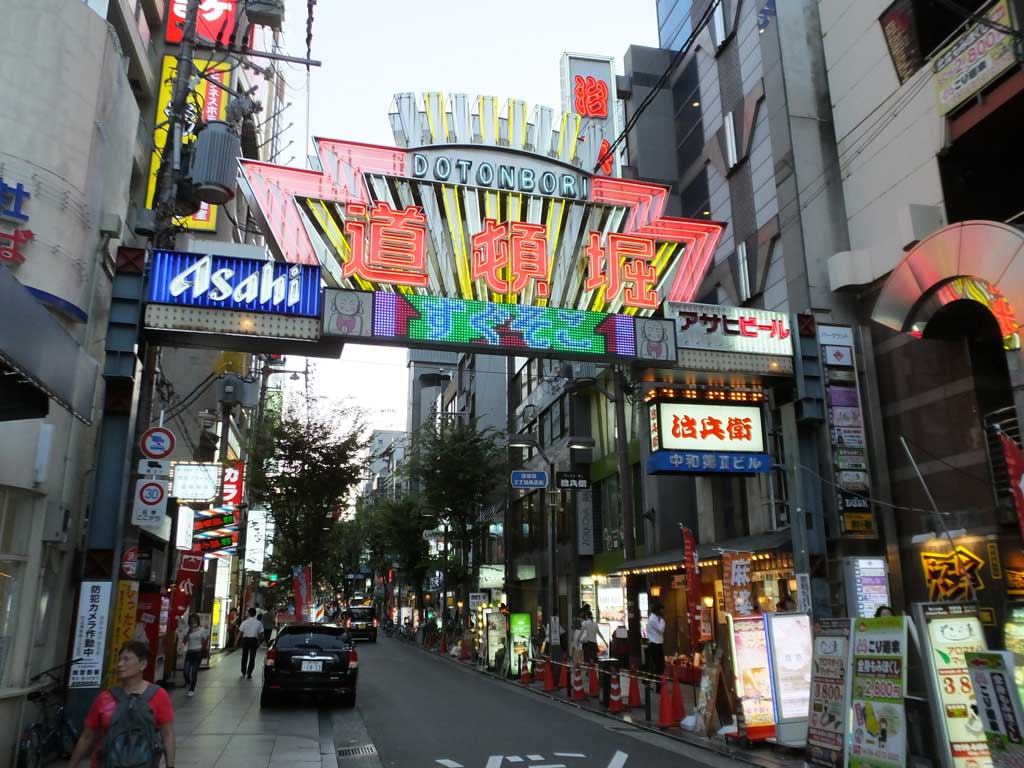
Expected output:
{"points": [[133, 740]]}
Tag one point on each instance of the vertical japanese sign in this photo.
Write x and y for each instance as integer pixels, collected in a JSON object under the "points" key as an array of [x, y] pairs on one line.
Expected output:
{"points": [[739, 599], [846, 427], [829, 675], [255, 539], [189, 570], [588, 89], [234, 479], [585, 522], [877, 732], [752, 672], [90, 634], [302, 585], [124, 624], [208, 102], [216, 20], [999, 705], [950, 631], [692, 587]]}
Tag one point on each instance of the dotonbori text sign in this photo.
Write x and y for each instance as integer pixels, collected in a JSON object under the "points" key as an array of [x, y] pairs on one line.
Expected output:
{"points": [[482, 209]]}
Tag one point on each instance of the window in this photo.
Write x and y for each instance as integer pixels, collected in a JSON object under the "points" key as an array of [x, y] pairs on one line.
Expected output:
{"points": [[14, 529], [729, 128], [742, 272], [718, 24]]}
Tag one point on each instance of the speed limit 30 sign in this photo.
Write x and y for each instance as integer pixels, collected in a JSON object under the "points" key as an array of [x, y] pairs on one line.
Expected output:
{"points": [[150, 506]]}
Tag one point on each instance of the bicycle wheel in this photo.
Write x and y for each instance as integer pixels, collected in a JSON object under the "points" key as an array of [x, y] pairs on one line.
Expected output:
{"points": [[67, 736], [30, 750]]}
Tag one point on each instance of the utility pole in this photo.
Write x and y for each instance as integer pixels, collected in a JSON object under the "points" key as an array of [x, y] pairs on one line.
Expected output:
{"points": [[628, 515]]}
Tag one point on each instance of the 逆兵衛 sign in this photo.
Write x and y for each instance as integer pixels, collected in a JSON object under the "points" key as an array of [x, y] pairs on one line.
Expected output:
{"points": [[702, 427], [228, 282], [434, 321]]}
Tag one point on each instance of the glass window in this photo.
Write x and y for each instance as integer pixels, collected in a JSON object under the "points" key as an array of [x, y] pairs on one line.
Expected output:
{"points": [[13, 556], [322, 639]]}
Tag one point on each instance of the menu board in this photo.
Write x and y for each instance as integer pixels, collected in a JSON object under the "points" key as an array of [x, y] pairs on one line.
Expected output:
{"points": [[901, 36], [752, 671], [999, 706], [496, 629], [867, 585], [791, 653], [830, 664], [951, 630], [1013, 641], [876, 736]]}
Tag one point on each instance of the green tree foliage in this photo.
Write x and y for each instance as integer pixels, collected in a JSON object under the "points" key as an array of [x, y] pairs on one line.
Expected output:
{"points": [[392, 530], [458, 467], [303, 466]]}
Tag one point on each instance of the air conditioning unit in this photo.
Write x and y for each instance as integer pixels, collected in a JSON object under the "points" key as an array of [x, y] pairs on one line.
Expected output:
{"points": [[266, 13]]}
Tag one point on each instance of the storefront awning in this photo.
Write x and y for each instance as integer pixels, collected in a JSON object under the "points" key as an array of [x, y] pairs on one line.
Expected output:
{"points": [[38, 357], [759, 542], [670, 560]]}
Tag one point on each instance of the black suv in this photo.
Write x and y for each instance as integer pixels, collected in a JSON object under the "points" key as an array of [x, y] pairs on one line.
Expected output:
{"points": [[311, 658], [361, 622]]}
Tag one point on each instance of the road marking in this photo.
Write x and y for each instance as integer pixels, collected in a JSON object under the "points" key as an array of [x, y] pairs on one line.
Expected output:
{"points": [[448, 763], [569, 754], [618, 760], [494, 761], [514, 759], [535, 758]]}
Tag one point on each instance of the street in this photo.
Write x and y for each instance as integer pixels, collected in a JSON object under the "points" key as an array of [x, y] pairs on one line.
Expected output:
{"points": [[414, 709]]}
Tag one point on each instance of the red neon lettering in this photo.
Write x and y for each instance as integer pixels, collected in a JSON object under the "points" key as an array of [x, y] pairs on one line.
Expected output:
{"points": [[625, 263], [397, 250], [684, 426], [518, 250], [591, 96], [739, 428], [11, 243], [711, 427]]}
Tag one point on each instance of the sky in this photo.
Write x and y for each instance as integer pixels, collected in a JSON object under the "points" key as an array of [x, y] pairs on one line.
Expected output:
{"points": [[373, 50]]}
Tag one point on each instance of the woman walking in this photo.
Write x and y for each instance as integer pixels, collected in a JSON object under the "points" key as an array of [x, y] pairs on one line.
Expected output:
{"points": [[195, 640]]}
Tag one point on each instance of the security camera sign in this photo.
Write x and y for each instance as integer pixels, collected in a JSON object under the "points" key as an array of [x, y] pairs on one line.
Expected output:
{"points": [[150, 505], [157, 443]]}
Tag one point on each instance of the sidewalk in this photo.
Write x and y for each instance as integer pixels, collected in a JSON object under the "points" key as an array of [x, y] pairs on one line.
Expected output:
{"points": [[761, 755]]}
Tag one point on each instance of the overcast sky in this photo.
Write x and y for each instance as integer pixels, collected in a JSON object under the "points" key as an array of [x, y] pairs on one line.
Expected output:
{"points": [[373, 50]]}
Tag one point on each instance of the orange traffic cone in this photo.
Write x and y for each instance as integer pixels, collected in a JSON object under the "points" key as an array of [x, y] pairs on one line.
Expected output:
{"points": [[595, 684], [578, 694], [615, 704], [524, 677], [678, 712], [464, 651], [665, 705], [634, 690], [442, 648], [538, 670], [549, 678], [563, 677]]}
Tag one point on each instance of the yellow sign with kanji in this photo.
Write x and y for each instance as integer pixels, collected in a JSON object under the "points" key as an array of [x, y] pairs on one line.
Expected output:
{"points": [[124, 624], [944, 574]]}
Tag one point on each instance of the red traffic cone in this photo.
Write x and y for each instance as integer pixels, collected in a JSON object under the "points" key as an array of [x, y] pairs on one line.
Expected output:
{"points": [[678, 712], [464, 651], [665, 712], [538, 670], [563, 677], [578, 694], [615, 704], [634, 690], [549, 678], [525, 678], [595, 684], [442, 648]]}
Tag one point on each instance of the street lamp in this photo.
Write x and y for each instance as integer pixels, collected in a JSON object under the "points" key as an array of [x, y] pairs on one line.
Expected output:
{"points": [[528, 440]]}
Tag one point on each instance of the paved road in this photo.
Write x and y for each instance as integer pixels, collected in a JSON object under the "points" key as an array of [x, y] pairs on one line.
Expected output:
{"points": [[424, 711]]}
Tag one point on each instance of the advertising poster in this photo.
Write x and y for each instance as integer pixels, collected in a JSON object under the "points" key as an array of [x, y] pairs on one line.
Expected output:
{"points": [[497, 635], [974, 59], [147, 628], [90, 634], [951, 631], [752, 672], [999, 706], [189, 569], [1013, 640], [707, 694], [124, 624], [791, 656], [302, 584], [519, 626], [877, 732], [829, 674]]}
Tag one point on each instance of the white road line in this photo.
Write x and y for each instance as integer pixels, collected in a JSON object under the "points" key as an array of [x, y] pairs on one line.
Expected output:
{"points": [[514, 758], [494, 761], [569, 754], [448, 763], [535, 759], [618, 760]]}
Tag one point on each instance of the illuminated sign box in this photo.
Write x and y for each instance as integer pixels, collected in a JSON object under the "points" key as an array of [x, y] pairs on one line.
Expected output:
{"points": [[478, 326], [194, 482], [701, 427], [731, 339]]}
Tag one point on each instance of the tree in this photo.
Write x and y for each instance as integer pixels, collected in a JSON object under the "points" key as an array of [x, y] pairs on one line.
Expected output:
{"points": [[458, 468], [303, 466], [393, 531]]}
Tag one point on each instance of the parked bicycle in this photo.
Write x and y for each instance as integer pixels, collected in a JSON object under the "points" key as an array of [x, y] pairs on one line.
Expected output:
{"points": [[54, 736]]}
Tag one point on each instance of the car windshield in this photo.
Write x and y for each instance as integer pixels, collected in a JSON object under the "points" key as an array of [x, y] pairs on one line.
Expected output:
{"points": [[361, 613], [316, 639]]}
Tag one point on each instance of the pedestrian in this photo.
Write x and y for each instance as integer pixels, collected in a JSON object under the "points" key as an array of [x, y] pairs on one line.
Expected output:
{"points": [[589, 634], [268, 626], [196, 640], [786, 605], [249, 638], [656, 640], [883, 610], [232, 628], [576, 646], [116, 719]]}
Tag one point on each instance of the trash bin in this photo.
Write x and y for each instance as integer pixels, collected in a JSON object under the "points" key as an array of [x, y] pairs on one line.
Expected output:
{"points": [[605, 665]]}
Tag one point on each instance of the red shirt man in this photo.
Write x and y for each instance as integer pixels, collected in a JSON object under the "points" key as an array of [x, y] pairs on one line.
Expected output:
{"points": [[102, 711]]}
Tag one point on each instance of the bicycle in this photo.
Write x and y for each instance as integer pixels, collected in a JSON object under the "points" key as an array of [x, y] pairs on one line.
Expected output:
{"points": [[54, 736]]}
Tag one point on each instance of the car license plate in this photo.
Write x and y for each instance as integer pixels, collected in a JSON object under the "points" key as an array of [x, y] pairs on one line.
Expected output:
{"points": [[312, 666], [361, 626]]}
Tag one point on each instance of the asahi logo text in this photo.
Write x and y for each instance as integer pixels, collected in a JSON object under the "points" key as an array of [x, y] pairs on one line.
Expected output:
{"points": [[260, 286]]}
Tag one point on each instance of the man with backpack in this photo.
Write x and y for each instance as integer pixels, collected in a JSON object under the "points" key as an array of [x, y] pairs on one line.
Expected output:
{"points": [[132, 724]]}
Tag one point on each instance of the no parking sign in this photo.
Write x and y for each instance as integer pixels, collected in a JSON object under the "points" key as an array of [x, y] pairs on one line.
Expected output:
{"points": [[150, 505]]}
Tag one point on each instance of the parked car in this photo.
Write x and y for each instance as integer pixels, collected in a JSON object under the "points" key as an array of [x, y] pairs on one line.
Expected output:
{"points": [[361, 622], [317, 659]]}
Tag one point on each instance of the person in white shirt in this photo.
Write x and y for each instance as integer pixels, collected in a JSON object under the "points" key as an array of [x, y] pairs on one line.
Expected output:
{"points": [[589, 632], [249, 634], [195, 640], [656, 640]]}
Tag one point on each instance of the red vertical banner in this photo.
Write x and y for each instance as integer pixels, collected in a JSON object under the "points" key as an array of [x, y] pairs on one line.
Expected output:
{"points": [[1015, 468], [189, 570], [692, 587], [302, 583], [148, 617], [234, 483]]}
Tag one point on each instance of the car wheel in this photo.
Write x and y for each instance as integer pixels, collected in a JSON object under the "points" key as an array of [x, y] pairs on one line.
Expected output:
{"points": [[348, 700], [266, 700]]}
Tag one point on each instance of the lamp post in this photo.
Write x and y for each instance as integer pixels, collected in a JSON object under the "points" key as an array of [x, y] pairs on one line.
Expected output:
{"points": [[573, 443]]}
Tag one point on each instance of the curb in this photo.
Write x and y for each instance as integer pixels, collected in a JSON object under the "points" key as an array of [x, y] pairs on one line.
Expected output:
{"points": [[718, 748]]}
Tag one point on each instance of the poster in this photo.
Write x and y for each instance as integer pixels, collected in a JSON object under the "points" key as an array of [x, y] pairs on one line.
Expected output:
{"points": [[877, 731], [519, 625], [829, 675], [752, 672], [738, 594], [952, 630], [791, 656], [189, 568], [1013, 639], [999, 706], [124, 625], [147, 628], [90, 634], [302, 585], [707, 694], [497, 636]]}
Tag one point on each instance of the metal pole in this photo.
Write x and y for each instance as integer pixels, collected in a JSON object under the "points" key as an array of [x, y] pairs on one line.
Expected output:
{"points": [[628, 516], [942, 522]]}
